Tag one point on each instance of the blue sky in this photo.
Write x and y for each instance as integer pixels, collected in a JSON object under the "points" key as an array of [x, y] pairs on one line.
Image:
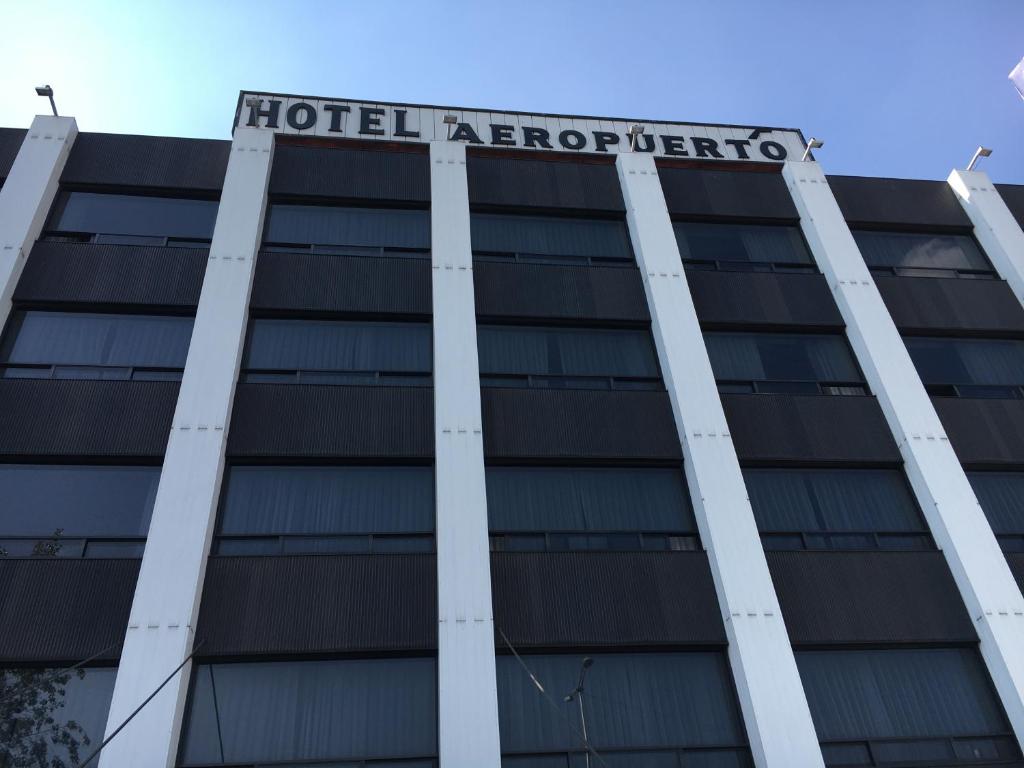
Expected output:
{"points": [[904, 88]]}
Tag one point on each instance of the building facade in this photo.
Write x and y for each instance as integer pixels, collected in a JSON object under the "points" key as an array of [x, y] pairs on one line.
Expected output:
{"points": [[397, 436]]}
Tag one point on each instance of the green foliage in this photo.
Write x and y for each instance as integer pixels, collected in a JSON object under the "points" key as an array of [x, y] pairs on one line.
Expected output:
{"points": [[32, 731]]}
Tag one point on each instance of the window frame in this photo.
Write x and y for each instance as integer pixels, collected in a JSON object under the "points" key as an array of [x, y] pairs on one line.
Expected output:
{"points": [[731, 265], [566, 260], [965, 273]]}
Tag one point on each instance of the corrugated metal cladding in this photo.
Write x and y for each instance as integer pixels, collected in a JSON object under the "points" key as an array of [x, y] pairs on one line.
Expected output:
{"points": [[939, 304], [983, 432], [809, 428], [555, 184], [1013, 196], [318, 604], [756, 298], [10, 143], [153, 162], [1016, 561], [369, 174], [906, 203], [869, 597], [85, 418], [694, 192], [556, 291], [604, 599], [89, 273], [64, 610], [323, 283], [578, 424], [281, 420]]}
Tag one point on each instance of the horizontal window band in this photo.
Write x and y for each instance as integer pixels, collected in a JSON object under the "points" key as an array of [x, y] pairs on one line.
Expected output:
{"points": [[536, 381], [91, 372], [778, 387], [339, 378]]}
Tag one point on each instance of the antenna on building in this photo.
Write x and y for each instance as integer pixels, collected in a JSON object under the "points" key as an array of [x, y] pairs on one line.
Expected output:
{"points": [[450, 120], [46, 90], [979, 153], [812, 144], [634, 130]]}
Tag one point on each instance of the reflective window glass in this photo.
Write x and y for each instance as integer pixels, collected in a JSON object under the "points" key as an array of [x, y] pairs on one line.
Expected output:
{"points": [[747, 243], [920, 251], [347, 226], [550, 236], [138, 215], [986, 362], [790, 357], [1001, 495]]}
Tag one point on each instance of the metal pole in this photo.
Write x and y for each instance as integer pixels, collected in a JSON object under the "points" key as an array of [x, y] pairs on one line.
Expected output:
{"points": [[583, 722]]}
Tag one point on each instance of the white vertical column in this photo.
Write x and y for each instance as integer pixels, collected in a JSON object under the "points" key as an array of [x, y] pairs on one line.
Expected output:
{"points": [[956, 520], [162, 624], [771, 695], [994, 226], [466, 683], [27, 196]]}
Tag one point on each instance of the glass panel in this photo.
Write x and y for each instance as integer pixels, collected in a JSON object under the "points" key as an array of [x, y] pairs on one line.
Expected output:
{"points": [[780, 357], [338, 346], [994, 362], [79, 338], [53, 718], [631, 700], [937, 750], [1001, 495], [550, 236], [76, 500], [741, 243], [568, 499], [846, 754], [327, 225], [899, 693], [905, 249], [312, 710], [832, 500], [312, 500], [566, 351], [135, 215]]}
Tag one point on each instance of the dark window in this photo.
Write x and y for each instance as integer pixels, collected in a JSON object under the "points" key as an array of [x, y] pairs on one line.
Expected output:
{"points": [[550, 238], [912, 707], [519, 356], [969, 367], [81, 345], [338, 352], [791, 363], [676, 702], [293, 711], [357, 231], [574, 508], [835, 509], [134, 219], [923, 255], [746, 247], [1001, 495], [58, 717], [75, 511], [287, 510]]}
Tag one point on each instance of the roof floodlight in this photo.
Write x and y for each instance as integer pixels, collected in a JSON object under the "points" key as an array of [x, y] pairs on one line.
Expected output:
{"points": [[979, 153], [812, 144]]}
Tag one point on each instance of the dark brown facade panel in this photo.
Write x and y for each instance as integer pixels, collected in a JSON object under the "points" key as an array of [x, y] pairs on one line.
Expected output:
{"points": [[703, 193], [926, 304], [10, 143], [574, 599], [353, 174], [74, 418], [847, 598], [984, 433], [318, 604], [514, 182], [1016, 561], [898, 203], [1013, 196], [89, 273], [514, 290], [153, 162], [743, 299], [314, 282], [809, 429], [54, 610], [307, 421], [578, 425]]}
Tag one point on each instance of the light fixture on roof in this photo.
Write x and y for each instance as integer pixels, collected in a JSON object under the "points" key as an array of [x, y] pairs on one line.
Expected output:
{"points": [[254, 101], [812, 144], [450, 120], [634, 130], [979, 153], [46, 90]]}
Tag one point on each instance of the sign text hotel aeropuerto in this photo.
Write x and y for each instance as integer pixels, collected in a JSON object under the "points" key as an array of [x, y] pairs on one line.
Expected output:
{"points": [[327, 118]]}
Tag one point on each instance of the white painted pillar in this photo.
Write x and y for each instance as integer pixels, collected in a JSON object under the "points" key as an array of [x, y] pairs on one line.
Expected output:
{"points": [[994, 226], [771, 695], [466, 682], [942, 489], [162, 624], [28, 194]]}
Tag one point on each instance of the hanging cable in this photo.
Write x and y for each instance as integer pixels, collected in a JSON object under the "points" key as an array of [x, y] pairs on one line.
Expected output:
{"points": [[57, 673]]}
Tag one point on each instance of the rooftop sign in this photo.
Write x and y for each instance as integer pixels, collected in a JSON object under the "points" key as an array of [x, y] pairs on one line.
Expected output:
{"points": [[338, 118]]}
